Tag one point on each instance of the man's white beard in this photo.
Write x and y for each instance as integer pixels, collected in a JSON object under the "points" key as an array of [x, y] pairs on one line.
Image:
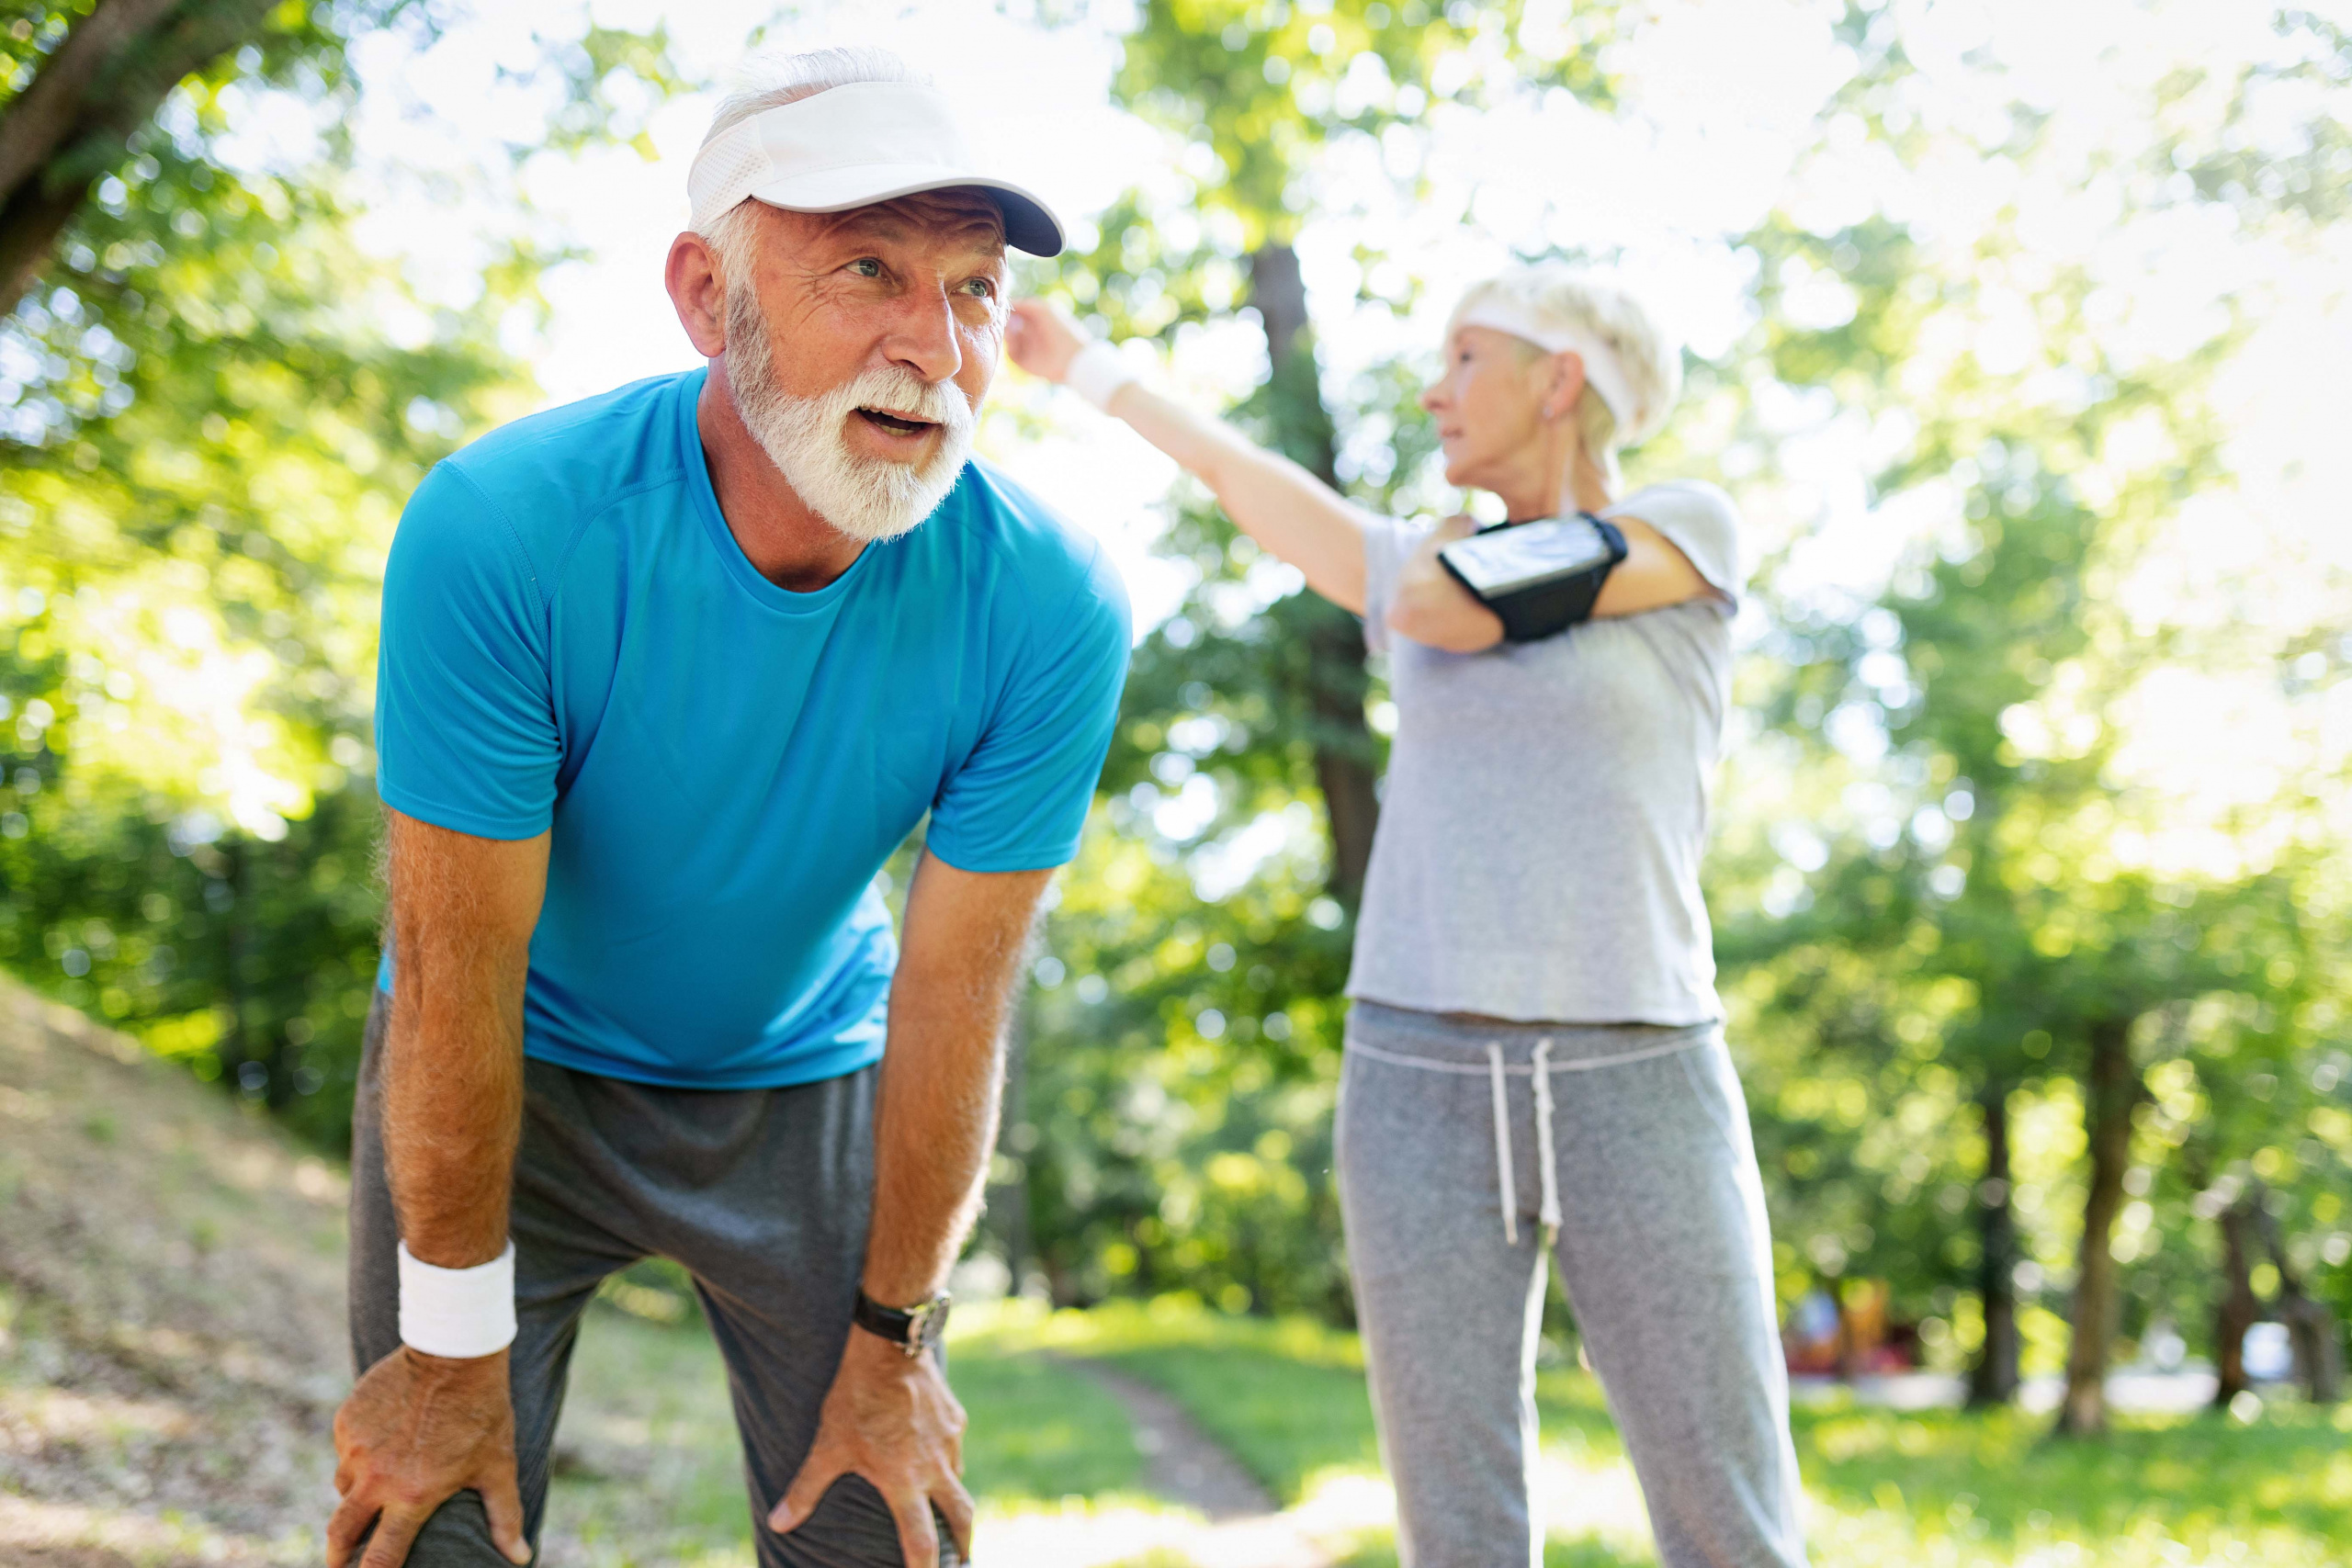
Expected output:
{"points": [[807, 439]]}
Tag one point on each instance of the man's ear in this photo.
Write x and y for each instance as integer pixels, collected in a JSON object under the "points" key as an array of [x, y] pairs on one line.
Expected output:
{"points": [[696, 291]]}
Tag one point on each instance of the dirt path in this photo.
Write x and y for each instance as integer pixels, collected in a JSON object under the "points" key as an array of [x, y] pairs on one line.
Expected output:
{"points": [[1229, 1520], [1182, 1462]]}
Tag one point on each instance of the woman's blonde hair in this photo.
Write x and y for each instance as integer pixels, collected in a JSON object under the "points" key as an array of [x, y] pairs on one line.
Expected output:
{"points": [[1580, 301]]}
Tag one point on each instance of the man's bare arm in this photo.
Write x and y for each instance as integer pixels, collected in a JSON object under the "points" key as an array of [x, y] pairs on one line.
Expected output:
{"points": [[887, 1417], [463, 909], [418, 1428], [965, 934]]}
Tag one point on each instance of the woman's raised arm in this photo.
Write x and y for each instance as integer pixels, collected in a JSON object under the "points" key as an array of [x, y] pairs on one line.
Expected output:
{"points": [[1286, 509]]}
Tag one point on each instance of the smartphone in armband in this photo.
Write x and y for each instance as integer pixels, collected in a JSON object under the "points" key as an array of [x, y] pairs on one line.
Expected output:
{"points": [[1540, 578]]}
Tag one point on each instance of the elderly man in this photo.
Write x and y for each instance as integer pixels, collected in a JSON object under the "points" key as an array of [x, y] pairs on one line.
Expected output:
{"points": [[666, 676]]}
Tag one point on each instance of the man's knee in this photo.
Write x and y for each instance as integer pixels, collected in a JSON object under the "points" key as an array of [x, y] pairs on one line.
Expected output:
{"points": [[457, 1536], [851, 1527]]}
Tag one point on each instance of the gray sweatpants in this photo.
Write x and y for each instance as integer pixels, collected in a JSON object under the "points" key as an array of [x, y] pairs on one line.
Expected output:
{"points": [[1662, 1242], [763, 1194]]}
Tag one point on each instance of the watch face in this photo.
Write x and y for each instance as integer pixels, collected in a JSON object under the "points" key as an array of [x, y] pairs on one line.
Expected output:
{"points": [[930, 1324]]}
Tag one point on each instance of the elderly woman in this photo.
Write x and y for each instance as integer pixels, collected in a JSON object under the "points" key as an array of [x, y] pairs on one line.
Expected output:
{"points": [[1535, 1057]]}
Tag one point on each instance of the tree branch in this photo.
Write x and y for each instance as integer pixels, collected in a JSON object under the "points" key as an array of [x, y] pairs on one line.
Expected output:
{"points": [[75, 120], [38, 123]]}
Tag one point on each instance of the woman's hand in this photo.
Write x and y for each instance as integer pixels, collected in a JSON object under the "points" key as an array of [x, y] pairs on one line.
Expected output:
{"points": [[1435, 610], [1043, 338], [1287, 510]]}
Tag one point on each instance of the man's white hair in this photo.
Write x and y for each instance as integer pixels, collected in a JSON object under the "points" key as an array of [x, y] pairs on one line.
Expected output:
{"points": [[771, 81], [1595, 305]]}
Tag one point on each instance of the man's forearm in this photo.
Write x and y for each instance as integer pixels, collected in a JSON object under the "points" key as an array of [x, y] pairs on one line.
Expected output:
{"points": [[462, 913], [933, 1129], [934, 1122], [453, 1110]]}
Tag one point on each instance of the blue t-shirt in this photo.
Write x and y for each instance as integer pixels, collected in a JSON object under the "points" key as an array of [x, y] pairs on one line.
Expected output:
{"points": [[573, 642]]}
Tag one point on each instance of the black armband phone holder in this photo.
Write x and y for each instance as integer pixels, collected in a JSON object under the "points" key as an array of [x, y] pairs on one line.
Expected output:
{"points": [[1540, 578]]}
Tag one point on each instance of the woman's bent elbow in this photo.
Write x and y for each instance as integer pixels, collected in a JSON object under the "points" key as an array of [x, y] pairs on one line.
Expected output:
{"points": [[1446, 628]]}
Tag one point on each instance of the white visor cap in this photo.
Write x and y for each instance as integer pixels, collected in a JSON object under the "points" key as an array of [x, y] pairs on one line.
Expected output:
{"points": [[852, 146]]}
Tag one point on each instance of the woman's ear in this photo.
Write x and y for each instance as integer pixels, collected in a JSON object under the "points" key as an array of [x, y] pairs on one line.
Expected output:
{"points": [[1568, 385]]}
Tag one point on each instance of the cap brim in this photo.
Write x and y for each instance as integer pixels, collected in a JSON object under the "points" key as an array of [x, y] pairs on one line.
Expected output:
{"points": [[1029, 224]]}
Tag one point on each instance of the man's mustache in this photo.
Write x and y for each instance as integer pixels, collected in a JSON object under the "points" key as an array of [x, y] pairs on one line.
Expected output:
{"points": [[896, 393]]}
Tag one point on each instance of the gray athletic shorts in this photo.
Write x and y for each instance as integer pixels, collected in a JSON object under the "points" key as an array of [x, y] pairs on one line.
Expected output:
{"points": [[763, 1194]]}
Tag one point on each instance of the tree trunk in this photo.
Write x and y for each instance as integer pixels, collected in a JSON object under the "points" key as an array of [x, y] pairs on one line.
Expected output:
{"points": [[74, 120], [32, 218], [2318, 1342], [2311, 1327], [42, 118], [1337, 683], [236, 1047], [1994, 1379], [1849, 1339], [2110, 1093], [2239, 1308]]}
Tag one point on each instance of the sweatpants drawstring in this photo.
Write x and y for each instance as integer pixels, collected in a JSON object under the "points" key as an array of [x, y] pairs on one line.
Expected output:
{"points": [[1502, 1145], [1548, 1165]]}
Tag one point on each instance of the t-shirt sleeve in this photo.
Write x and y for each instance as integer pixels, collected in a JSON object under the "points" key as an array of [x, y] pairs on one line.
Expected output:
{"points": [[1702, 522], [1388, 544], [1020, 800], [465, 735]]}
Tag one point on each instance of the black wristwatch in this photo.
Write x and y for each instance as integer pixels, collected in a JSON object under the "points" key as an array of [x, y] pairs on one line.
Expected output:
{"points": [[913, 1330]]}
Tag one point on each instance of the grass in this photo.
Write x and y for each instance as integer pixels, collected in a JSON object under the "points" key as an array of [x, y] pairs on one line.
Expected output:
{"points": [[1946, 1486], [1039, 1433], [654, 1476], [1931, 1488], [1284, 1397], [649, 1469]]}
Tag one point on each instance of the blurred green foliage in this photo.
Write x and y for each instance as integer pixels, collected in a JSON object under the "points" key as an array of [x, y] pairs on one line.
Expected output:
{"points": [[1920, 911], [213, 404]]}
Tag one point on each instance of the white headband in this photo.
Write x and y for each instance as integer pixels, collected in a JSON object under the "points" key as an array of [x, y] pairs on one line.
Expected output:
{"points": [[1603, 372], [852, 146]]}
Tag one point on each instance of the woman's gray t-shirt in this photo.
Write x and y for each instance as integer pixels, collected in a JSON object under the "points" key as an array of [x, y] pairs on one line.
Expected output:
{"points": [[1546, 803]]}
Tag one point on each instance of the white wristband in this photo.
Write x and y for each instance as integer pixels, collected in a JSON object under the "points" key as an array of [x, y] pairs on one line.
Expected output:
{"points": [[1095, 372], [457, 1313]]}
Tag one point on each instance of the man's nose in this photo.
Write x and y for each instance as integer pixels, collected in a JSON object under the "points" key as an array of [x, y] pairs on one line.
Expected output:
{"points": [[1431, 397], [924, 337]]}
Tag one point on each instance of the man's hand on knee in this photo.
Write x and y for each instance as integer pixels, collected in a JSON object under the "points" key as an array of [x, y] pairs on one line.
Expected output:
{"points": [[416, 1431], [891, 1420]]}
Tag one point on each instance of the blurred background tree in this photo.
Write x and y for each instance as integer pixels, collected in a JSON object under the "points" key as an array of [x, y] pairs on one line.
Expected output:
{"points": [[213, 404], [1250, 716], [1977, 1011]]}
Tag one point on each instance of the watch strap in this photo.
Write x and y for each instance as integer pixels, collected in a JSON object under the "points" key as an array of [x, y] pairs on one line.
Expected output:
{"points": [[913, 1330]]}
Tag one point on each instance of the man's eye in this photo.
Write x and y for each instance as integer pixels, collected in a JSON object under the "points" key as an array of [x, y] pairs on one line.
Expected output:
{"points": [[866, 266], [981, 288]]}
